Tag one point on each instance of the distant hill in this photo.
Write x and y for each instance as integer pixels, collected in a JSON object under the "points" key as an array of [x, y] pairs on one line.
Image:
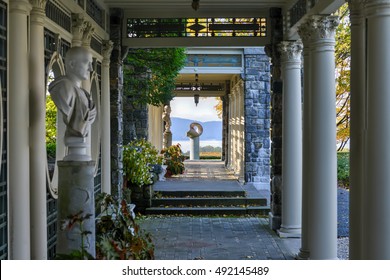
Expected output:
{"points": [[211, 130]]}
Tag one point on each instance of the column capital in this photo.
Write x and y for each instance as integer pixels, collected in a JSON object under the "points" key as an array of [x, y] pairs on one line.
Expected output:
{"points": [[322, 27], [38, 4], [20, 6], [356, 11], [78, 27], [304, 32], [87, 34], [291, 51], [106, 51]]}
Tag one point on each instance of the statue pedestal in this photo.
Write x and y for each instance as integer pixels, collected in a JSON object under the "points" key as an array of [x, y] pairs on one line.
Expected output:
{"points": [[194, 148], [167, 141], [75, 195]]}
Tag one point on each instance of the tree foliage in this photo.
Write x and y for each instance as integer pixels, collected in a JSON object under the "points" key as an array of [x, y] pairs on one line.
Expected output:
{"points": [[343, 59], [150, 74], [219, 107]]}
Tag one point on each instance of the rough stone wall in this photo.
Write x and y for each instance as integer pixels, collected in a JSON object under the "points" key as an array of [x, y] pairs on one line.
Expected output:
{"points": [[257, 118], [116, 96], [135, 120], [276, 22]]}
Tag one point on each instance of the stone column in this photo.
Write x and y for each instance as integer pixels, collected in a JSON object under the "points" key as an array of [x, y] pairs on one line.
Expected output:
{"points": [[357, 130], [304, 252], [37, 133], [378, 130], [234, 130], [323, 194], [292, 139], [276, 34], [86, 43], [105, 118], [230, 145], [18, 132], [116, 101], [242, 135], [78, 27]]}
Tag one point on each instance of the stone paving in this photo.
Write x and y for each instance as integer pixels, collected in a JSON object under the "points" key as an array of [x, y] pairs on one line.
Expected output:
{"points": [[216, 238]]}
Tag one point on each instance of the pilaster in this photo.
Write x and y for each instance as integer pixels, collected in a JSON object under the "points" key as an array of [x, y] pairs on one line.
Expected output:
{"points": [[105, 117], [292, 139], [304, 33], [358, 128]]}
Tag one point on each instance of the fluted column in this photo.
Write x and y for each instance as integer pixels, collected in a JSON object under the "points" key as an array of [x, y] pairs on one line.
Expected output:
{"points": [[378, 130], [105, 118], [357, 129], [37, 133], [323, 193], [292, 139], [304, 252], [18, 129]]}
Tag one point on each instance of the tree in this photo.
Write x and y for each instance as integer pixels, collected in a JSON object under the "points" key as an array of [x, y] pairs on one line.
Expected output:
{"points": [[150, 74], [343, 60], [219, 107]]}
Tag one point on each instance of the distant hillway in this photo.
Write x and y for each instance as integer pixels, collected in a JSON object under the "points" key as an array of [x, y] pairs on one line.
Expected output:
{"points": [[211, 130]]}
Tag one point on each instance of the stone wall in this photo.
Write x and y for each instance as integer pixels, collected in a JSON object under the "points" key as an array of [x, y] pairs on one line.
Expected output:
{"points": [[257, 118], [135, 120]]}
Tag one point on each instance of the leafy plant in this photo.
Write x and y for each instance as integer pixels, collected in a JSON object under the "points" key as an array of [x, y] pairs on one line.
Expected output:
{"points": [[150, 74], [343, 168], [69, 224], [118, 236], [174, 159], [139, 159]]}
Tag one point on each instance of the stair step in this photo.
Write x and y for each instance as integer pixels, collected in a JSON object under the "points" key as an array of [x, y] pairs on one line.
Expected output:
{"points": [[194, 193], [213, 201], [260, 210]]}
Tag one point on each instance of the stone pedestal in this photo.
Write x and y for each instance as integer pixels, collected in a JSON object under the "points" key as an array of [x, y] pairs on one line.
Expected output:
{"points": [[75, 195], [194, 148], [167, 141]]}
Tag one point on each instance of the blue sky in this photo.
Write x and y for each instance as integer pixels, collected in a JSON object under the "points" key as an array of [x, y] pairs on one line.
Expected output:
{"points": [[184, 107]]}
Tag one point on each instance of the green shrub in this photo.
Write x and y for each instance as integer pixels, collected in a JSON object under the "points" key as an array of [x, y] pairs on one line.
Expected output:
{"points": [[139, 158], [51, 150], [343, 168]]}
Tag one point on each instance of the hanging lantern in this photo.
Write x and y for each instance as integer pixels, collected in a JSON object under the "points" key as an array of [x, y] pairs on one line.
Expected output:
{"points": [[196, 99]]}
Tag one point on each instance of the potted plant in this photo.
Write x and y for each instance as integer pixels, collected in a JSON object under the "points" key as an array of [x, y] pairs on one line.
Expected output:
{"points": [[174, 160]]}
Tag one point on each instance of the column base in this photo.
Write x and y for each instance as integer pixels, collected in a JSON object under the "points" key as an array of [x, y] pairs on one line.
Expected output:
{"points": [[302, 255], [274, 221], [289, 232]]}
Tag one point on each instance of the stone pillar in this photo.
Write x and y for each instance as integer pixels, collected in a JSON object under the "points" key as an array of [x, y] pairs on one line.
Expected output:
{"points": [[323, 194], [18, 132], [194, 148], [86, 43], [76, 197], [37, 133], [292, 139], [234, 131], [78, 26], [105, 118], [116, 97], [242, 135], [257, 118], [377, 196], [276, 33], [304, 252], [230, 138], [357, 130]]}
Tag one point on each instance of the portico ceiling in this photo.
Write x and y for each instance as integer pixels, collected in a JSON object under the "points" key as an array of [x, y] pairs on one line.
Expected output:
{"points": [[173, 8]]}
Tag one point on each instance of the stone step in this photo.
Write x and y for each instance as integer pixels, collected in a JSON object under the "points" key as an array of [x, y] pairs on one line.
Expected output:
{"points": [[200, 193], [213, 201], [199, 211]]}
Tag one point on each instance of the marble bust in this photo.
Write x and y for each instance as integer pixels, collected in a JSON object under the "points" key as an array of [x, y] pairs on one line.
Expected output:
{"points": [[74, 102]]}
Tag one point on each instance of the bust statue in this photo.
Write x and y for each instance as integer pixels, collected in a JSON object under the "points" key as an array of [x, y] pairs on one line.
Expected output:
{"points": [[75, 103]]}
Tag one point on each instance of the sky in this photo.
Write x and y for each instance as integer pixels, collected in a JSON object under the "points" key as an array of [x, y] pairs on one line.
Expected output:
{"points": [[184, 107]]}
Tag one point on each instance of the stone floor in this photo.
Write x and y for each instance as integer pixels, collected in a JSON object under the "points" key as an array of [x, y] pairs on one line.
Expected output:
{"points": [[220, 238]]}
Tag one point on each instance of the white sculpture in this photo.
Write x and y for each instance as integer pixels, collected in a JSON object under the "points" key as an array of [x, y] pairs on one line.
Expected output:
{"points": [[75, 103], [167, 118], [194, 133]]}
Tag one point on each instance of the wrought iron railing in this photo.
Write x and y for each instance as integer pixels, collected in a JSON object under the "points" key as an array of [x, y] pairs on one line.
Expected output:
{"points": [[297, 11], [95, 12]]}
